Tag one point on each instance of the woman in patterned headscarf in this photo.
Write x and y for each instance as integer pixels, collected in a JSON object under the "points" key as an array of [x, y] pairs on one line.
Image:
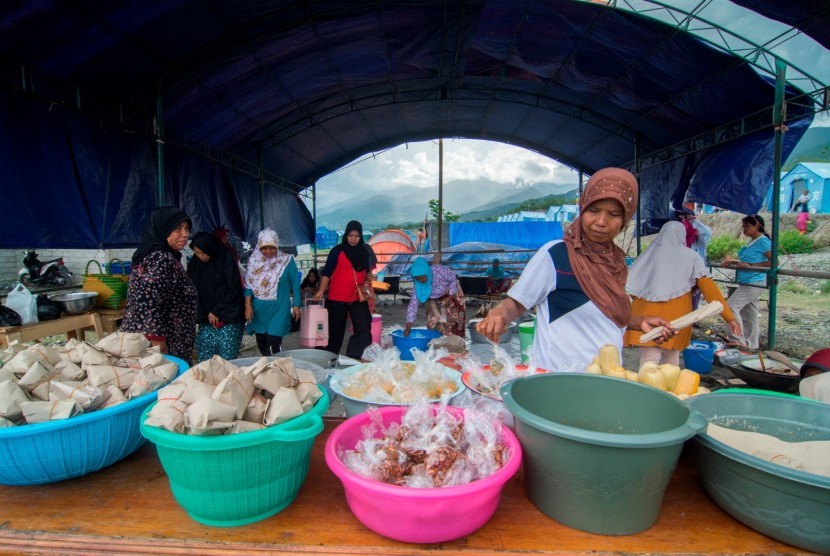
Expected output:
{"points": [[578, 284], [270, 282], [161, 300]]}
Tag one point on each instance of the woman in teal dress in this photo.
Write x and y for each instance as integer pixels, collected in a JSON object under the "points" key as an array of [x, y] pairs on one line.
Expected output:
{"points": [[272, 293]]}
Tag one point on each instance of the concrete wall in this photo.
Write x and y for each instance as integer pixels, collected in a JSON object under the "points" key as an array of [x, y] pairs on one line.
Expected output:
{"points": [[11, 260]]}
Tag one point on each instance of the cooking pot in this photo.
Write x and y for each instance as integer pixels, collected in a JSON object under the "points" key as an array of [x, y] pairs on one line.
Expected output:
{"points": [[761, 379]]}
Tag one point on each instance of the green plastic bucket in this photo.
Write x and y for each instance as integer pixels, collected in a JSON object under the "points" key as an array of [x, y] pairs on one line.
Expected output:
{"points": [[526, 332], [598, 451], [238, 479]]}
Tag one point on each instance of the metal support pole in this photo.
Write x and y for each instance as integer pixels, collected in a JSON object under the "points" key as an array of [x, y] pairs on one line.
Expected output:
{"points": [[314, 216], [261, 173], [779, 116], [159, 150], [440, 196], [637, 173]]}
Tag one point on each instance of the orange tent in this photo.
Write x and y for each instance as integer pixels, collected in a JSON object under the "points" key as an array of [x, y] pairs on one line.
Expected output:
{"points": [[387, 243]]}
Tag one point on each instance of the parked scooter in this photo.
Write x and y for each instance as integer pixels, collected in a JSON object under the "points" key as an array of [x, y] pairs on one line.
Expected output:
{"points": [[49, 273]]}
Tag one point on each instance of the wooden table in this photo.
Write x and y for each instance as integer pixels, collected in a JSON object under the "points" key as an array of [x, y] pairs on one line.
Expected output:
{"points": [[129, 509], [110, 319], [69, 324]]}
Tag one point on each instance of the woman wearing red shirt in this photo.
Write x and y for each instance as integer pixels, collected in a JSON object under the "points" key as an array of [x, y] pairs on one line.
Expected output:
{"points": [[348, 267]]}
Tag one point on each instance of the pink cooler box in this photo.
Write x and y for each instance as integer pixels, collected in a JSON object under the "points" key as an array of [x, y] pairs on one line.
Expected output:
{"points": [[314, 326]]}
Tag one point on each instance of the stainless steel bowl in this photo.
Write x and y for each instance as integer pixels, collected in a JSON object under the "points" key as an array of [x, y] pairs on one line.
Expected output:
{"points": [[479, 338], [75, 303]]}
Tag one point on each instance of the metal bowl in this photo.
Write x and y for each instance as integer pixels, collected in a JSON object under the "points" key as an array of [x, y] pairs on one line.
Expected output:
{"points": [[760, 379], [75, 303], [479, 338]]}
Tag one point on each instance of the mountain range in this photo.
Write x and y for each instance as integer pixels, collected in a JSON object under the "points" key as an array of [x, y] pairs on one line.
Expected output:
{"points": [[472, 199]]}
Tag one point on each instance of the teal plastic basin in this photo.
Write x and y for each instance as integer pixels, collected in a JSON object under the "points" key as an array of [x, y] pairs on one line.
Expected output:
{"points": [[598, 451], [786, 504]]}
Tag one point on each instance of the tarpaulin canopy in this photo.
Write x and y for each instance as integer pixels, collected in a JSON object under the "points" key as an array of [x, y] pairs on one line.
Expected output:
{"points": [[244, 103], [525, 235]]}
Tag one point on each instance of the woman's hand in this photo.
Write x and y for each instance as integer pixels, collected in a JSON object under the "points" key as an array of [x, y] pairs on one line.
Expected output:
{"points": [[735, 328], [212, 319], [318, 295], [649, 323], [249, 309], [496, 321], [295, 313], [407, 329]]}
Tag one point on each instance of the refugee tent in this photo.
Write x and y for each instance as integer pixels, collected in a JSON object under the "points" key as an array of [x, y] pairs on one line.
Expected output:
{"points": [[525, 235], [812, 176], [389, 242]]}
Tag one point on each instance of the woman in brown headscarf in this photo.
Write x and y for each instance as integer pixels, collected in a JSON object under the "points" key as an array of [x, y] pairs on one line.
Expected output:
{"points": [[578, 284]]}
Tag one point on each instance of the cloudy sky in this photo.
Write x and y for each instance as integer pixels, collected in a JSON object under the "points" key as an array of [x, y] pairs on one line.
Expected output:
{"points": [[416, 164]]}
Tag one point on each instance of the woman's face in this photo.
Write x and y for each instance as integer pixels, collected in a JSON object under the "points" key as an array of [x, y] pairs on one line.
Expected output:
{"points": [[353, 238], [751, 230], [602, 220], [268, 251], [201, 255], [421, 279], [178, 237]]}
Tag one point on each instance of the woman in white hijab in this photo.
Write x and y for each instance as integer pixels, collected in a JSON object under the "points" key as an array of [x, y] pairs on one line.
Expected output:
{"points": [[271, 281], [660, 283]]}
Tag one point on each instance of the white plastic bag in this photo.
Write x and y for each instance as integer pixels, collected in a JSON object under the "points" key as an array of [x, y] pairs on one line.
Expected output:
{"points": [[21, 300]]}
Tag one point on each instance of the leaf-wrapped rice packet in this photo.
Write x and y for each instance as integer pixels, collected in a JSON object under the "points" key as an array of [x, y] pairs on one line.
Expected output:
{"points": [[282, 407], [46, 353], [88, 397], [307, 390], [169, 416], [245, 426], [124, 344], [11, 396], [279, 373], [213, 371], [91, 355], [70, 370], [104, 375], [236, 390], [166, 370], [146, 380], [116, 397], [21, 362], [42, 412], [73, 350], [170, 394], [6, 374], [7, 353], [129, 362], [255, 412], [37, 378], [151, 359], [195, 389], [207, 415]]}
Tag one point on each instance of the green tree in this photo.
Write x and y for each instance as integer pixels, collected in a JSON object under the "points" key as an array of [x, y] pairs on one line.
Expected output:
{"points": [[447, 216]]}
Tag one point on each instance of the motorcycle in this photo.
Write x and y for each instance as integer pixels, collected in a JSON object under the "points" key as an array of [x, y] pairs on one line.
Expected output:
{"points": [[48, 273]]}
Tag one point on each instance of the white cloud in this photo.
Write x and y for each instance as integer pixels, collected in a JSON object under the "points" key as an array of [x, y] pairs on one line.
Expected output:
{"points": [[416, 164]]}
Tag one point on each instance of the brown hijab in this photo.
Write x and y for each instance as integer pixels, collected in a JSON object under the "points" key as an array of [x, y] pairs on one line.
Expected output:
{"points": [[600, 268]]}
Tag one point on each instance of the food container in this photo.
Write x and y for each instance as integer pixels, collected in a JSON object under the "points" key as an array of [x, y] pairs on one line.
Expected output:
{"points": [[786, 504], [48, 452], [598, 451], [747, 368], [479, 338], [355, 406], [76, 302], [418, 338], [417, 515], [238, 479]]}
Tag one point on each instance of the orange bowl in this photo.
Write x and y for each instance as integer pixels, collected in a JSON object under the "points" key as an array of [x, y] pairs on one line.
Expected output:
{"points": [[382, 286]]}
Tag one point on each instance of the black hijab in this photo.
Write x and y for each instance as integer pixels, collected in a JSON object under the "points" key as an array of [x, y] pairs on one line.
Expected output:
{"points": [[217, 281], [359, 254], [161, 224]]}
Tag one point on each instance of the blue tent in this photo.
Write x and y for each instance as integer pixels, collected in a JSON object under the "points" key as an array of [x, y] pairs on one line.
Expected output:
{"points": [[525, 235]]}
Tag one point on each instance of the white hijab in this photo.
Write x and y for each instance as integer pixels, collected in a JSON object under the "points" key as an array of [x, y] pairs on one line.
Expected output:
{"points": [[263, 275], [667, 269], [816, 387]]}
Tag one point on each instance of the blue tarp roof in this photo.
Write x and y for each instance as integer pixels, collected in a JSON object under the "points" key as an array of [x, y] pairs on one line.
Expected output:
{"points": [[284, 92], [524, 235], [459, 256]]}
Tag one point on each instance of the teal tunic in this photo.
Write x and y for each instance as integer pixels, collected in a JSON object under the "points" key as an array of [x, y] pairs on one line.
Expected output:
{"points": [[273, 316]]}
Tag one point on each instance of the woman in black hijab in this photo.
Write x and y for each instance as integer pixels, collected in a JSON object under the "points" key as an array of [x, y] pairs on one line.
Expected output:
{"points": [[348, 277], [220, 313], [161, 300]]}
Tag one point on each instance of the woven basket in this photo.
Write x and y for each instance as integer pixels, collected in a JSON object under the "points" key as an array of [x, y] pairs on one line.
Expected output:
{"points": [[112, 289]]}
